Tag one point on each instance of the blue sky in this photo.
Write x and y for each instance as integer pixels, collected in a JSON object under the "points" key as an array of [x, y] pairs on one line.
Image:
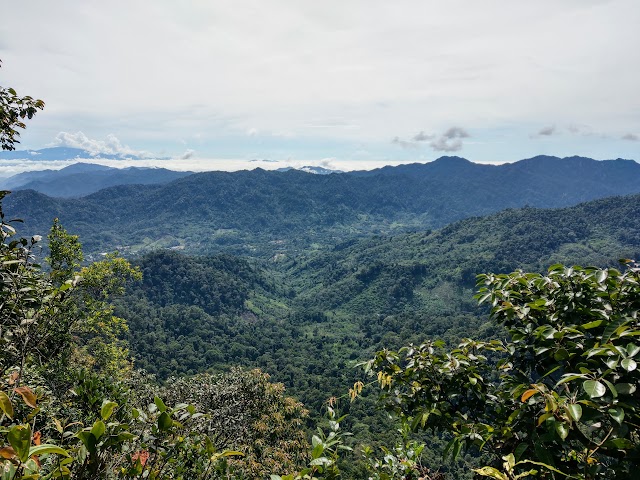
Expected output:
{"points": [[349, 84]]}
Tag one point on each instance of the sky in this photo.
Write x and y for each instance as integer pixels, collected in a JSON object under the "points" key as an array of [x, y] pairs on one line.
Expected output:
{"points": [[355, 84]]}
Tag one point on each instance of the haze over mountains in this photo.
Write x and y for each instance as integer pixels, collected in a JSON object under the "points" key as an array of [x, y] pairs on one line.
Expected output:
{"points": [[81, 179], [62, 153], [264, 213]]}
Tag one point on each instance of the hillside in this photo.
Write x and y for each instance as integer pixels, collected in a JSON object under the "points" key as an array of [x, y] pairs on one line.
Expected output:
{"points": [[307, 320], [261, 213]]}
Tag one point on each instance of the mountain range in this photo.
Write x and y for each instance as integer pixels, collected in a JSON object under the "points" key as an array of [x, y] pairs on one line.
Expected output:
{"points": [[81, 179], [266, 213]]}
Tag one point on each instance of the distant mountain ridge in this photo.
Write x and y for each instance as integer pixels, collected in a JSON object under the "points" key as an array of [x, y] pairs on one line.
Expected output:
{"points": [[82, 179], [264, 213], [311, 169]]}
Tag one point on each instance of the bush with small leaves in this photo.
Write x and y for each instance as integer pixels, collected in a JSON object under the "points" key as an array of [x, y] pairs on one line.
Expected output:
{"points": [[557, 398]]}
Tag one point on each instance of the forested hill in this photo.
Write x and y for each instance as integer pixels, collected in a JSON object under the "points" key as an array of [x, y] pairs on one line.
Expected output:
{"points": [[385, 275], [304, 321], [261, 213], [82, 179]]}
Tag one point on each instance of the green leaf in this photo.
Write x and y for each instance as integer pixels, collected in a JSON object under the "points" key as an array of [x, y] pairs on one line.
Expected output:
{"points": [[629, 364], [590, 325], [625, 388], [107, 409], [544, 418], [491, 472], [520, 449], [160, 404], [48, 448], [575, 411], [88, 440], [632, 350], [562, 430], [619, 443], [209, 445], [611, 328], [98, 429], [594, 388], [617, 414], [164, 421], [19, 437], [5, 405]]}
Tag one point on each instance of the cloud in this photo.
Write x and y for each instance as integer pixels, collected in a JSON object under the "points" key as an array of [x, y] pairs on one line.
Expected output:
{"points": [[110, 146], [422, 137], [188, 153], [631, 136], [404, 143], [450, 141], [547, 131]]}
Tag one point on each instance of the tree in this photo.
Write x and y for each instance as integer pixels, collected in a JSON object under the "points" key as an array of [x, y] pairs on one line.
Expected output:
{"points": [[557, 399], [13, 111]]}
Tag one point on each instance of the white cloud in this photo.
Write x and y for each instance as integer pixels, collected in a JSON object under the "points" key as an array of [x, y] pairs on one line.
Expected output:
{"points": [[110, 146]]}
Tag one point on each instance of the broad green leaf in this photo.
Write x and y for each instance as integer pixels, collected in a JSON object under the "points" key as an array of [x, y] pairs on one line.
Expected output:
{"points": [[619, 443], [164, 421], [544, 417], [591, 325], [107, 409], [520, 449], [611, 387], [5, 405], [98, 429], [48, 448], [617, 414], [632, 350], [19, 437], [611, 328], [88, 440], [160, 404], [562, 430], [629, 364], [625, 388], [575, 411], [594, 388]]}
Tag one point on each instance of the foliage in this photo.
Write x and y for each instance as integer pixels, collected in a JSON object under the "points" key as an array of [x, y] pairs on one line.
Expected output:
{"points": [[35, 320], [65, 255], [246, 412], [325, 452], [557, 398], [13, 111], [58, 421]]}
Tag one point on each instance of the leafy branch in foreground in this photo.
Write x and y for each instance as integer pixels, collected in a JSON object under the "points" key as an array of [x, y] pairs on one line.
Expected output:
{"points": [[13, 110], [557, 399]]}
